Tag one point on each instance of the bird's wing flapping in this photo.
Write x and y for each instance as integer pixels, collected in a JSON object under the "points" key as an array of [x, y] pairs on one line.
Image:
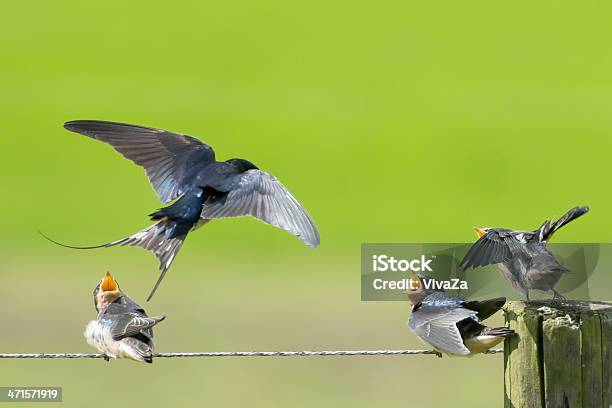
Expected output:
{"points": [[165, 156], [131, 324], [262, 196], [491, 248], [438, 327]]}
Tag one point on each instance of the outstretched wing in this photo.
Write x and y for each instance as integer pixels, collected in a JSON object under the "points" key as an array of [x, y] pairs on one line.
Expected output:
{"points": [[492, 248], [165, 156], [131, 324], [438, 327], [262, 196]]}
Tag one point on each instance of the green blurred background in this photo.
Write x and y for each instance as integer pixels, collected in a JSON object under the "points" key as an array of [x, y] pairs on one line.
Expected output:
{"points": [[390, 121]]}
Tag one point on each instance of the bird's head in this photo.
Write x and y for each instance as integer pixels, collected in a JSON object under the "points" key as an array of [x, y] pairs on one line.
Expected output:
{"points": [[481, 231], [417, 291], [106, 292], [242, 165]]}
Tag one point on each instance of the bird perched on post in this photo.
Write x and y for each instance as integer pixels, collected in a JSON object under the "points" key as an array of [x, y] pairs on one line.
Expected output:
{"points": [[523, 256], [122, 329], [184, 169], [452, 324]]}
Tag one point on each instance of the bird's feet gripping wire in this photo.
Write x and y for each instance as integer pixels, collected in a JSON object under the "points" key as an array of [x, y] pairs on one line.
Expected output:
{"points": [[106, 357]]}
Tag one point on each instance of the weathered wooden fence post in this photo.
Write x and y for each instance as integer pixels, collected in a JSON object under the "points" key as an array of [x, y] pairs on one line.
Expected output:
{"points": [[561, 355]]}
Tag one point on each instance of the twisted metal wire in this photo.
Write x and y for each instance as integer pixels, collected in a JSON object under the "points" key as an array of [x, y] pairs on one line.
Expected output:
{"points": [[303, 353]]}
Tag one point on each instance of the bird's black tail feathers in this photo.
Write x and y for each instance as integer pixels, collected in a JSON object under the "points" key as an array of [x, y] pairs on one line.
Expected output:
{"points": [[160, 238], [549, 228], [486, 308]]}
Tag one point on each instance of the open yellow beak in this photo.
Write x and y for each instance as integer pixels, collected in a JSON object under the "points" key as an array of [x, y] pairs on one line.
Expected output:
{"points": [[109, 284], [416, 281], [480, 232], [415, 284]]}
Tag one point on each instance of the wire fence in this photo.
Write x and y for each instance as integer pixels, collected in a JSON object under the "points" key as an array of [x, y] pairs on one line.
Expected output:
{"points": [[302, 353]]}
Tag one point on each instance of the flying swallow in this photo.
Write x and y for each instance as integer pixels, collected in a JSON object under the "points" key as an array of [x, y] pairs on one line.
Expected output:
{"points": [[122, 328], [523, 256], [183, 169], [452, 324]]}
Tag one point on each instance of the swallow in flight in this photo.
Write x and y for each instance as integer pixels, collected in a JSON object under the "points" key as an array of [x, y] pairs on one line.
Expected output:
{"points": [[184, 172]]}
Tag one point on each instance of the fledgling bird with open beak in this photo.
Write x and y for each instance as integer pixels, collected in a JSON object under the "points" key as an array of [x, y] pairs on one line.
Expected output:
{"points": [[523, 257], [122, 329], [185, 172], [452, 324]]}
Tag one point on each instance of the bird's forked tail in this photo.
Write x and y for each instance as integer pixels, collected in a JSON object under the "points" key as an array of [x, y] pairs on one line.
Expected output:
{"points": [[158, 238]]}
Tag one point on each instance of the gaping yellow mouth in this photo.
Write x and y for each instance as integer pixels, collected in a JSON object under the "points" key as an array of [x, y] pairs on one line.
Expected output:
{"points": [[416, 281], [415, 284], [480, 232], [109, 284]]}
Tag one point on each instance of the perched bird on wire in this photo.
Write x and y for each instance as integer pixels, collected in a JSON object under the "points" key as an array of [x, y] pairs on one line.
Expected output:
{"points": [[452, 324], [523, 256], [184, 169], [122, 329]]}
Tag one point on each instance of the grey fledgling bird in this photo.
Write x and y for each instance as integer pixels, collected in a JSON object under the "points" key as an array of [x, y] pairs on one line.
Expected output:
{"points": [[523, 256], [122, 329], [452, 324], [183, 169]]}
